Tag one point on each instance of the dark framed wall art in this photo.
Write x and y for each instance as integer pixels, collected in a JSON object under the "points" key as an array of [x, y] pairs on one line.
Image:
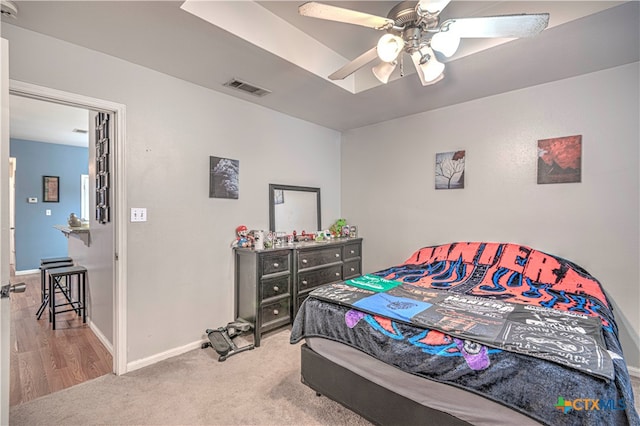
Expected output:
{"points": [[224, 175], [560, 160], [51, 189], [449, 172]]}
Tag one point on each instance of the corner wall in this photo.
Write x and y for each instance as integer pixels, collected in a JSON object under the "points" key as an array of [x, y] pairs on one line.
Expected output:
{"points": [[388, 182]]}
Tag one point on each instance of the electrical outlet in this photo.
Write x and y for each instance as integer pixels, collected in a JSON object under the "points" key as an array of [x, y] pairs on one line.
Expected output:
{"points": [[138, 214], [47, 212]]}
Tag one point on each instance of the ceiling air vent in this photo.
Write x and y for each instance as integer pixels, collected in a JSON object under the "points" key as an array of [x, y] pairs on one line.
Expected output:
{"points": [[246, 87]]}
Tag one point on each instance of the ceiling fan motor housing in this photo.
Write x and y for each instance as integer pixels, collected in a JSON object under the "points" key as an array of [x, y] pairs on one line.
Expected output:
{"points": [[410, 25], [403, 13]]}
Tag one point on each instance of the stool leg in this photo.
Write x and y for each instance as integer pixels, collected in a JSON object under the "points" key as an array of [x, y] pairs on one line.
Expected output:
{"points": [[44, 297], [84, 297], [78, 310], [52, 303], [43, 306], [42, 284]]}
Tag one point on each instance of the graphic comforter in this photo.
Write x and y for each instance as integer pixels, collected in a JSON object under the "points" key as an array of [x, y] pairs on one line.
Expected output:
{"points": [[527, 329]]}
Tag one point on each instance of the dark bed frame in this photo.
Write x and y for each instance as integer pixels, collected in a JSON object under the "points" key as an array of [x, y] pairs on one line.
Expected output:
{"points": [[374, 402]]}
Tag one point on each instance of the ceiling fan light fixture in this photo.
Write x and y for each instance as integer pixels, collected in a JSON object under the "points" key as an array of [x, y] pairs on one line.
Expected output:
{"points": [[445, 42], [383, 71], [389, 47], [428, 67]]}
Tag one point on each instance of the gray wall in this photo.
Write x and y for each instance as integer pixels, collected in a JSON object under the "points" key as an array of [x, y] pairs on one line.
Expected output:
{"points": [[180, 279], [594, 223]]}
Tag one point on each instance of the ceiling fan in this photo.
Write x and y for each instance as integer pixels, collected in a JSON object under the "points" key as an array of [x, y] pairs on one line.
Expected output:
{"points": [[415, 29]]}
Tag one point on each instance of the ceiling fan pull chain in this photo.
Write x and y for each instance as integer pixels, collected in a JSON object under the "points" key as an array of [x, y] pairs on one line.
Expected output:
{"points": [[401, 65]]}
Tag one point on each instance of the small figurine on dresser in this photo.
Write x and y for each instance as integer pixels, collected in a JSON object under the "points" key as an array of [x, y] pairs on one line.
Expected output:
{"points": [[258, 239], [269, 239], [242, 237], [336, 228]]}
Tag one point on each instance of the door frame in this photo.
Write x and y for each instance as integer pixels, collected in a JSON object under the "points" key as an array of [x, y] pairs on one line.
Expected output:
{"points": [[5, 302], [120, 223], [12, 211]]}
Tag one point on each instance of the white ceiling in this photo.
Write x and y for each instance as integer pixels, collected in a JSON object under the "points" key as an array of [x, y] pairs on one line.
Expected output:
{"points": [[41, 121], [583, 37]]}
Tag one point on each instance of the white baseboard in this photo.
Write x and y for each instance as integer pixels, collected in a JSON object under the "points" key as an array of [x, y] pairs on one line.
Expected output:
{"points": [[27, 272], [634, 371], [107, 344], [135, 365]]}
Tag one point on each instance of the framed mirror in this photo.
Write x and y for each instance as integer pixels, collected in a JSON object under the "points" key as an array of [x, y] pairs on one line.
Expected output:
{"points": [[294, 208]]}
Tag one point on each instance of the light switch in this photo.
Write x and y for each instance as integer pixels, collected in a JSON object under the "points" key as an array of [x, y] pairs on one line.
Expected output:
{"points": [[138, 214], [32, 200], [47, 212]]}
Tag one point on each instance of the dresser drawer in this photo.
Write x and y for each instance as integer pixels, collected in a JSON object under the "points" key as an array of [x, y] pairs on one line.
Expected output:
{"points": [[351, 269], [351, 251], [310, 279], [275, 313], [274, 263], [273, 287], [311, 258]]}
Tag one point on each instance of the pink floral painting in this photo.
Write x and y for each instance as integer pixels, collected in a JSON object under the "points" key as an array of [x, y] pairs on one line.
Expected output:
{"points": [[560, 159]]}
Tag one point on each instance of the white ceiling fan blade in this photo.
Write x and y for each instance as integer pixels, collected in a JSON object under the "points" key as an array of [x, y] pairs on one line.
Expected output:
{"points": [[333, 13], [433, 6], [505, 26], [355, 65]]}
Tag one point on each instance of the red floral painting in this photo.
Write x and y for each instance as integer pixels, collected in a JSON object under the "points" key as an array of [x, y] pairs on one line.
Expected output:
{"points": [[560, 159]]}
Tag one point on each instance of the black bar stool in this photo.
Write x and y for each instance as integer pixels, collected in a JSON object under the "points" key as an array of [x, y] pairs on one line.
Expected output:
{"points": [[46, 260], [46, 265], [79, 305]]}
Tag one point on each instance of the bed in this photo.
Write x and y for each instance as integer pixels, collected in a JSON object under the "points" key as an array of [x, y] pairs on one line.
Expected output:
{"points": [[476, 333]]}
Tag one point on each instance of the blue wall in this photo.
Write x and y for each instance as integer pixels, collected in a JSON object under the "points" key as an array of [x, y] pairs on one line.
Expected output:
{"points": [[35, 236]]}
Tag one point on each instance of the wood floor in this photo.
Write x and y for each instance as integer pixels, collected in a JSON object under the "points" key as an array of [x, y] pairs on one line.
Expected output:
{"points": [[45, 361]]}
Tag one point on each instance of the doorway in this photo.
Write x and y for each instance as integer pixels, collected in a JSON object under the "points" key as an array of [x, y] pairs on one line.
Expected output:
{"points": [[113, 322], [48, 139]]}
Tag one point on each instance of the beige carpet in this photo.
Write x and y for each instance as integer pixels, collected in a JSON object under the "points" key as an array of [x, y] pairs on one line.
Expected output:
{"points": [[257, 387]]}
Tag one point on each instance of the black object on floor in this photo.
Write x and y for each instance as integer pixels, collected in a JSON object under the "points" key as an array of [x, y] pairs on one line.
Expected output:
{"points": [[221, 339]]}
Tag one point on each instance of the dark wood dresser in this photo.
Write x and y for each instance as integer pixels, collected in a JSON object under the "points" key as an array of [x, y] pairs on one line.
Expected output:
{"points": [[271, 284]]}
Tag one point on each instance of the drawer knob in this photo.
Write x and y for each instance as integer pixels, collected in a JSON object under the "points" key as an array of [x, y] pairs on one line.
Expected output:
{"points": [[304, 282], [275, 312], [353, 269], [275, 265], [337, 274], [337, 254], [352, 251], [304, 260], [275, 287]]}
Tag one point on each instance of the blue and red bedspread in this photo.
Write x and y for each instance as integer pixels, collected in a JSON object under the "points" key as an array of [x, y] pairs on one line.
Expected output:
{"points": [[530, 330]]}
